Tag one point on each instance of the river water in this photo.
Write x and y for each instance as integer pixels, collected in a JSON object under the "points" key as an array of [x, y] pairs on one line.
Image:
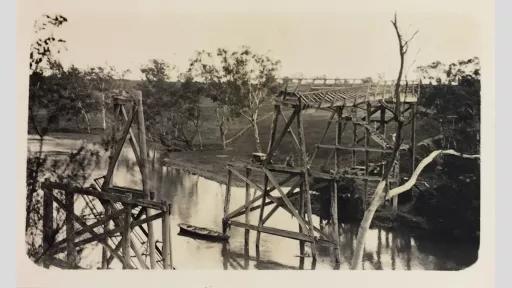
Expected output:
{"points": [[199, 201]]}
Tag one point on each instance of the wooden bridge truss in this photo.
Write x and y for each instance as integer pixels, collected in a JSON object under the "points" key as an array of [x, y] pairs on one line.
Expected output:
{"points": [[350, 103], [123, 217]]}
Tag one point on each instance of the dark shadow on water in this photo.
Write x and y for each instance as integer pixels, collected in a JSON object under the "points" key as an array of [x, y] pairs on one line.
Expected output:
{"points": [[233, 260]]}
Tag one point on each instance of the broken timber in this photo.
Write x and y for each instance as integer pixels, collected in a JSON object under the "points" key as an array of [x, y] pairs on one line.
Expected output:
{"points": [[363, 100], [131, 211]]}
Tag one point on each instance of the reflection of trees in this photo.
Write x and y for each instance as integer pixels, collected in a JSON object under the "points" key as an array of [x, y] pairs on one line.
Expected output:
{"points": [[403, 247], [347, 241], [400, 248], [181, 187], [445, 255], [396, 245], [74, 167], [233, 260], [378, 263]]}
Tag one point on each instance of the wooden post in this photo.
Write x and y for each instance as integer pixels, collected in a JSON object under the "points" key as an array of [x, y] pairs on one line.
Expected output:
{"points": [[397, 179], [227, 199], [334, 218], [339, 128], [137, 253], [166, 239], [301, 213], [71, 255], [262, 210], [247, 209], [383, 130], [115, 128], [117, 149], [382, 125], [104, 251], [151, 240], [142, 144], [48, 238], [145, 175], [126, 237], [104, 258], [413, 137], [304, 161], [366, 152], [275, 144], [273, 127], [334, 192], [354, 135]]}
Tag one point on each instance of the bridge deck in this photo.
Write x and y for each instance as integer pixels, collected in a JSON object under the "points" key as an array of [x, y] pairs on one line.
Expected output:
{"points": [[346, 95]]}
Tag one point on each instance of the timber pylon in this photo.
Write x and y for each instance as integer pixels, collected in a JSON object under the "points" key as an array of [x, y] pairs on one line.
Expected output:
{"points": [[348, 101], [122, 217]]}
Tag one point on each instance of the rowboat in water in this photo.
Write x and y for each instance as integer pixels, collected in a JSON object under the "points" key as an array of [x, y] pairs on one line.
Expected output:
{"points": [[201, 233]]}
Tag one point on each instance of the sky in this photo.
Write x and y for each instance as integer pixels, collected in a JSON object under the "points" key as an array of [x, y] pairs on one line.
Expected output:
{"points": [[311, 38]]}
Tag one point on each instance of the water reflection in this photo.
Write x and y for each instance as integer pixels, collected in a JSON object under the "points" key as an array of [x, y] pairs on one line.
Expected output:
{"points": [[199, 201]]}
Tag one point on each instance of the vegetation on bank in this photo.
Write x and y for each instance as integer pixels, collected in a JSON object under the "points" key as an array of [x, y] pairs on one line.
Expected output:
{"points": [[218, 108]]}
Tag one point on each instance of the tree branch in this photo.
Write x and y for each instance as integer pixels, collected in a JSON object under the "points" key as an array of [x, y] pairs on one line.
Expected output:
{"points": [[408, 185]]}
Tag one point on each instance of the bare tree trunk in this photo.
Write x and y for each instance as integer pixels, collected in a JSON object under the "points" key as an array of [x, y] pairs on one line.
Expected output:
{"points": [[379, 194], [86, 117], [200, 138], [243, 130], [254, 124], [222, 136], [87, 122], [221, 120]]}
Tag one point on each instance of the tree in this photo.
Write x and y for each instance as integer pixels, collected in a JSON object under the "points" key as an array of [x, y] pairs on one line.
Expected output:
{"points": [[42, 58], [239, 82], [453, 74], [172, 108], [57, 92], [379, 195], [75, 169], [44, 49], [253, 76], [452, 105]]}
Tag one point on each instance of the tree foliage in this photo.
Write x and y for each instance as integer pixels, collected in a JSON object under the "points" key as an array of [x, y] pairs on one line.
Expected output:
{"points": [[171, 109], [44, 49], [453, 103], [239, 82], [74, 168], [55, 91]]}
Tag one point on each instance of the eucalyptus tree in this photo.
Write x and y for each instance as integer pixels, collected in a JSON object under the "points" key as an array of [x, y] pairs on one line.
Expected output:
{"points": [[171, 107], [239, 82]]}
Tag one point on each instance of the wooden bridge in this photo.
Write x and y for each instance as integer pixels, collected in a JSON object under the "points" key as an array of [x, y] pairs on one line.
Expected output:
{"points": [[352, 103], [123, 217]]}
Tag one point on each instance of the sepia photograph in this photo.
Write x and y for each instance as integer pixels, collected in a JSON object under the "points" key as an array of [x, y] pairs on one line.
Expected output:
{"points": [[174, 135]]}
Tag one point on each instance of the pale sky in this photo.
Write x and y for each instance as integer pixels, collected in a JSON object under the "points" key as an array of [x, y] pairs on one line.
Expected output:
{"points": [[332, 38]]}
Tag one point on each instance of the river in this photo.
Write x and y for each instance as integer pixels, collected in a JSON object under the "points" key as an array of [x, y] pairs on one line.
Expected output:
{"points": [[199, 201]]}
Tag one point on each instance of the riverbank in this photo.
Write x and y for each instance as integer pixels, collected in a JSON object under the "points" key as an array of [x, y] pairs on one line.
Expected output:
{"points": [[212, 164], [209, 164], [188, 162]]}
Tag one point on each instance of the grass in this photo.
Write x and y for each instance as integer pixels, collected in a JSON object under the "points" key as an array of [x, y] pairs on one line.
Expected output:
{"points": [[211, 161]]}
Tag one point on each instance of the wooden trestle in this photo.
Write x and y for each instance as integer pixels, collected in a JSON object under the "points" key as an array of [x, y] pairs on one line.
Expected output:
{"points": [[349, 103], [131, 211]]}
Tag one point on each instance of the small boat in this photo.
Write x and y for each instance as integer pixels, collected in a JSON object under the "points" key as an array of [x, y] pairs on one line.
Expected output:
{"points": [[201, 233], [259, 157]]}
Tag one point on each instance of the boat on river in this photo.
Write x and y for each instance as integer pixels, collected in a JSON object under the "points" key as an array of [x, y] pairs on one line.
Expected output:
{"points": [[201, 233]]}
